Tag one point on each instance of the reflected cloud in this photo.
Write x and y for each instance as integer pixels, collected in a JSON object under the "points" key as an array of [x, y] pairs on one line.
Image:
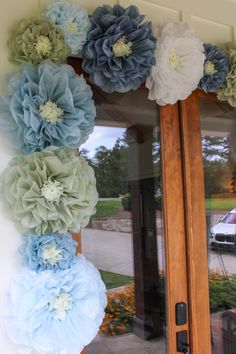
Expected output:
{"points": [[105, 136]]}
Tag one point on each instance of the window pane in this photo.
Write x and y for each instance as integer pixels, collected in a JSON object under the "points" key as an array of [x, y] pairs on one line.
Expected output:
{"points": [[125, 237], [218, 121]]}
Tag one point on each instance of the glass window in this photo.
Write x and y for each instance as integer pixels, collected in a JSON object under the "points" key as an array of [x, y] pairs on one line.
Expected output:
{"points": [[125, 237], [218, 122]]}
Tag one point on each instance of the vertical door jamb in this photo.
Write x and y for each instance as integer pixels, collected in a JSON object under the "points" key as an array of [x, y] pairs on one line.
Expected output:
{"points": [[174, 220], [197, 254]]}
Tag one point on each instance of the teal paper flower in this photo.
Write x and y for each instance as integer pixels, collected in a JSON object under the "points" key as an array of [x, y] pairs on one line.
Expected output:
{"points": [[49, 192], [119, 52], [49, 105], [216, 68], [35, 40], [57, 312], [73, 20], [48, 252]]}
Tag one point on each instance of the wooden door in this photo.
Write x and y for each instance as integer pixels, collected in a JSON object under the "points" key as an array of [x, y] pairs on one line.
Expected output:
{"points": [[143, 121]]}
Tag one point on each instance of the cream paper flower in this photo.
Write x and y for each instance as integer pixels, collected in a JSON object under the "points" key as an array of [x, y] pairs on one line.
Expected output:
{"points": [[179, 64]]}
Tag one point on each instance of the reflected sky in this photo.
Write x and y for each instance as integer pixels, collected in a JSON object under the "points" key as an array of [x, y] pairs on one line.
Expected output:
{"points": [[105, 136]]}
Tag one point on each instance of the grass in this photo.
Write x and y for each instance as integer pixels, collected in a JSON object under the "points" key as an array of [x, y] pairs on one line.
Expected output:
{"points": [[114, 280], [112, 207], [107, 208], [220, 204]]}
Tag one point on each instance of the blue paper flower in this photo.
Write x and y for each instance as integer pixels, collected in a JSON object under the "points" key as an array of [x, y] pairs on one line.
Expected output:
{"points": [[119, 52], [216, 68], [49, 105], [53, 312], [73, 20], [51, 251]]}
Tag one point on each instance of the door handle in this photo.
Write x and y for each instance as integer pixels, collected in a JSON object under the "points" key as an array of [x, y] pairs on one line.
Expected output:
{"points": [[182, 342]]}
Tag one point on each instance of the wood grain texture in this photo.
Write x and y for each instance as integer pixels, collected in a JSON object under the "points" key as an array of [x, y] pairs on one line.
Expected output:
{"points": [[174, 227], [195, 226], [77, 238]]}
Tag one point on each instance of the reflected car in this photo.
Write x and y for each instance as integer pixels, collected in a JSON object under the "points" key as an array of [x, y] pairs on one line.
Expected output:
{"points": [[223, 234]]}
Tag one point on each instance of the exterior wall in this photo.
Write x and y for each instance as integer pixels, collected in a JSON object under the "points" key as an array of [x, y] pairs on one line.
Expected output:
{"points": [[215, 21]]}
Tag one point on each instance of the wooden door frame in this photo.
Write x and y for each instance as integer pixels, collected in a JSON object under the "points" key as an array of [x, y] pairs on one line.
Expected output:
{"points": [[174, 215], [195, 219]]}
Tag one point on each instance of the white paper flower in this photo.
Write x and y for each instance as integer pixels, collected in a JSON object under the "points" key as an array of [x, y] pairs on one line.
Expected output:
{"points": [[179, 64]]}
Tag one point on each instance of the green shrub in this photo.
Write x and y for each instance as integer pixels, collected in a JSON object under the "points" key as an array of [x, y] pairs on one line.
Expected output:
{"points": [[126, 202], [222, 292]]}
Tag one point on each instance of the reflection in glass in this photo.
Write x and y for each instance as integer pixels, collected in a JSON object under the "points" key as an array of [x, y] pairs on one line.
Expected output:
{"points": [[218, 148], [125, 237]]}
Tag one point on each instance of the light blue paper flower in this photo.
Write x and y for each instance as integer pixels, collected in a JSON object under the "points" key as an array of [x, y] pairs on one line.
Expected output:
{"points": [[50, 312], [119, 52], [216, 68], [49, 105], [73, 20], [48, 252]]}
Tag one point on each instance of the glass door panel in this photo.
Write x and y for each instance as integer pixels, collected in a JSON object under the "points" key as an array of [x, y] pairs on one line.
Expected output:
{"points": [[137, 236], [218, 135], [125, 238]]}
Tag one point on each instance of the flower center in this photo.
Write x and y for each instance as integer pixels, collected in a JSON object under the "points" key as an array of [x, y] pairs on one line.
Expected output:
{"points": [[43, 46], [209, 68], [174, 60], [51, 190], [60, 305], [122, 48], [51, 112], [51, 254], [72, 26]]}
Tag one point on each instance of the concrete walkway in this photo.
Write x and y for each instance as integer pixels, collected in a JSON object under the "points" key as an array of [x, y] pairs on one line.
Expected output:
{"points": [[126, 344], [112, 251]]}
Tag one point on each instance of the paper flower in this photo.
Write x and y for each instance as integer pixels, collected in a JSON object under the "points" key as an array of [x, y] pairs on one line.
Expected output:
{"points": [[36, 39], [120, 49], [179, 64], [56, 312], [49, 252], [49, 105], [49, 192], [228, 91], [73, 20], [216, 68]]}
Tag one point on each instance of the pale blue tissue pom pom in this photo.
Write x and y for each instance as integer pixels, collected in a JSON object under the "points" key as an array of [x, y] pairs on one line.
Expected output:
{"points": [[54, 312], [48, 252], [48, 105], [73, 20]]}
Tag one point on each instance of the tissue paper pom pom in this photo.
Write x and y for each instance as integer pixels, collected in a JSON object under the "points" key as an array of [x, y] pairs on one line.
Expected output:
{"points": [[179, 64], [36, 39], [228, 91], [49, 252], [49, 105], [50, 312], [49, 191], [216, 68], [73, 20], [120, 49]]}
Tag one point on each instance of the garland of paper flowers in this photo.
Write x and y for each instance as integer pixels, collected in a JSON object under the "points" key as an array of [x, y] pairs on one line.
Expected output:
{"points": [[57, 304]]}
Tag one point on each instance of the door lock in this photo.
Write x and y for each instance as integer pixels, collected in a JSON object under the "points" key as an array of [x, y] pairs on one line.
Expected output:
{"points": [[182, 342]]}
